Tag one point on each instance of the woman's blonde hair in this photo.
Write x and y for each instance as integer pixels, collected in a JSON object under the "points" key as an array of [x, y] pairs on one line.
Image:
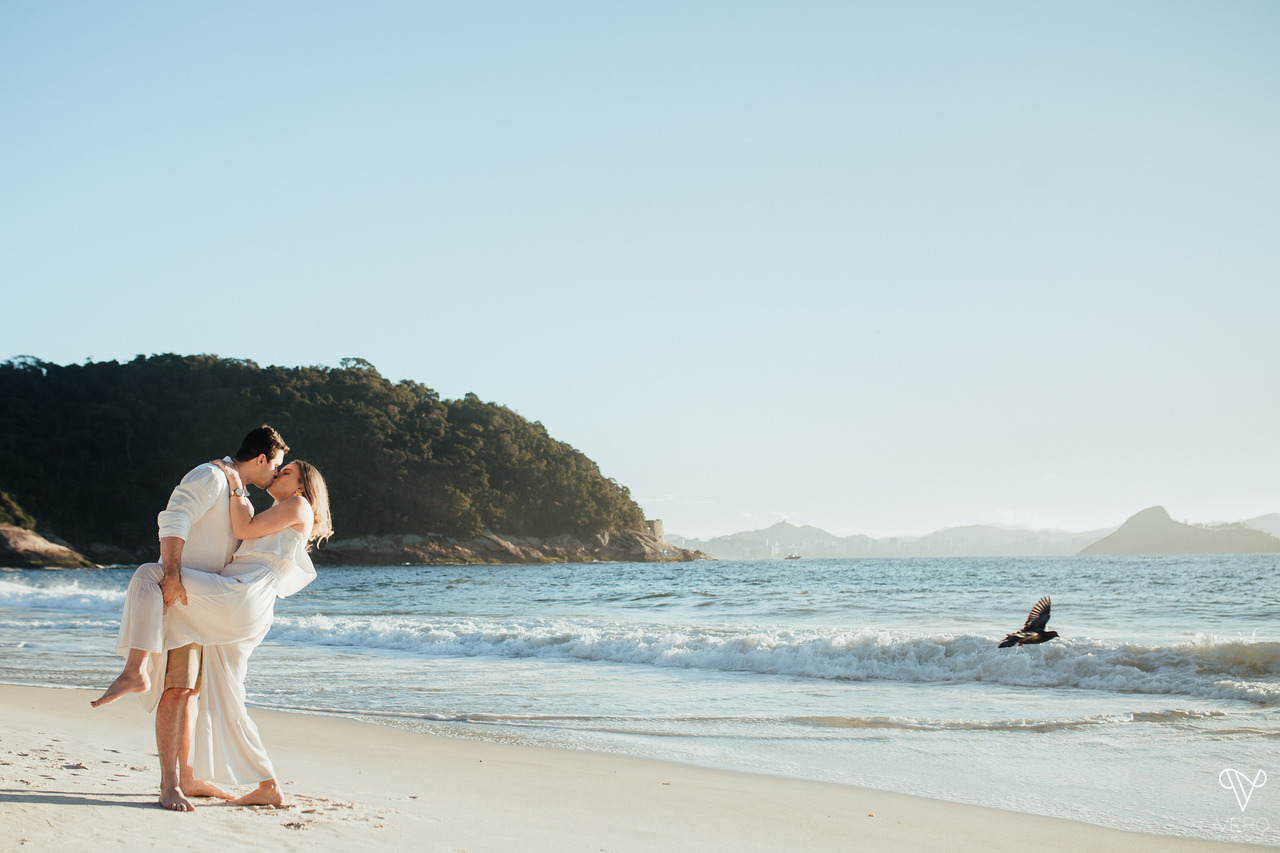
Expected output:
{"points": [[317, 493]]}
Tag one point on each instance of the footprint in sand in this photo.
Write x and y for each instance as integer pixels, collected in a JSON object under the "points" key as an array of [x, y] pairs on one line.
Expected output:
{"points": [[321, 810]]}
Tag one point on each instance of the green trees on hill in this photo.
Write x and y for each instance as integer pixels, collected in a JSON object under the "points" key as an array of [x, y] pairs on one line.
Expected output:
{"points": [[93, 450], [11, 513]]}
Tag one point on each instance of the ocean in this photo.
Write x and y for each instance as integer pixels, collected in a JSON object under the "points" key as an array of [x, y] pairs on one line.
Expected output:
{"points": [[1157, 710]]}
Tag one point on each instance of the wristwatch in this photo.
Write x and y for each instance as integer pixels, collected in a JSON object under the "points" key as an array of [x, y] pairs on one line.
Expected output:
{"points": [[240, 493]]}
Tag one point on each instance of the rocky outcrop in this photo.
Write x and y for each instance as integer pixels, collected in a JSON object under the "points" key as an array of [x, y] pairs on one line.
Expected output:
{"points": [[1152, 531], [628, 546], [26, 549]]}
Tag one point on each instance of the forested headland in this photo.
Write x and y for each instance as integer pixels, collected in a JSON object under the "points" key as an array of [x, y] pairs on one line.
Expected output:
{"points": [[90, 452]]}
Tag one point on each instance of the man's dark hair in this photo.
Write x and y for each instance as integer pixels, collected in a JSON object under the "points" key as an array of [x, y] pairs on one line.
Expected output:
{"points": [[263, 440]]}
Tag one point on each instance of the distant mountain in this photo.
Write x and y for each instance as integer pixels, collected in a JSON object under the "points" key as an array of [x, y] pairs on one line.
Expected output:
{"points": [[1152, 531], [973, 541], [1269, 523], [986, 541]]}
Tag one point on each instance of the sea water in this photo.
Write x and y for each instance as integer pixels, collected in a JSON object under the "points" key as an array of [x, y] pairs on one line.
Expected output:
{"points": [[875, 672]]}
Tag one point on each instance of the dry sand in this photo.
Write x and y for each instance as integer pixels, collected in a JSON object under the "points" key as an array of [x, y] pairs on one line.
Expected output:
{"points": [[73, 778]]}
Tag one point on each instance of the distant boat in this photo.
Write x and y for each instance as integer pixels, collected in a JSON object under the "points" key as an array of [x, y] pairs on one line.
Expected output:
{"points": [[792, 557]]}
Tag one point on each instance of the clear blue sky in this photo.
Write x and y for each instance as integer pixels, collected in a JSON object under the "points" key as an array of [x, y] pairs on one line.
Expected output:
{"points": [[877, 267]]}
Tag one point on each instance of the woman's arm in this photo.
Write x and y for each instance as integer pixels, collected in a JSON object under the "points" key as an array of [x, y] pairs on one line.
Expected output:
{"points": [[291, 512]]}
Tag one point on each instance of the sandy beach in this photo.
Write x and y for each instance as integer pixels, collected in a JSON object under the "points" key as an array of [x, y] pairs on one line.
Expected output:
{"points": [[72, 778]]}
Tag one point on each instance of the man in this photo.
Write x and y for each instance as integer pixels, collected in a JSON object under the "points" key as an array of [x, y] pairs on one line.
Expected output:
{"points": [[195, 532]]}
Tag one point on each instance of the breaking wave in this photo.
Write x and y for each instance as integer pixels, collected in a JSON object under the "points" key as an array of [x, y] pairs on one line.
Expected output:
{"points": [[61, 596], [1207, 666]]}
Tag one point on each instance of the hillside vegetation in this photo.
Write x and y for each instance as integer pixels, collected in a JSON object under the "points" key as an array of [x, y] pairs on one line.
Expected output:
{"points": [[92, 451]]}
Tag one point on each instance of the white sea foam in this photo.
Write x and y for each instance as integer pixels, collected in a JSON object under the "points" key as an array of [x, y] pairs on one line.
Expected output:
{"points": [[1207, 667], [759, 723], [60, 595], [1012, 725], [69, 622]]}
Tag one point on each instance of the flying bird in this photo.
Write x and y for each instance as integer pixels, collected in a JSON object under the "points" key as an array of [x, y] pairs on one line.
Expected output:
{"points": [[1032, 632]]}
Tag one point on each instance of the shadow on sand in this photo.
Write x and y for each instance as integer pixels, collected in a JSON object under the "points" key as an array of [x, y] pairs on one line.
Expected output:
{"points": [[67, 798]]}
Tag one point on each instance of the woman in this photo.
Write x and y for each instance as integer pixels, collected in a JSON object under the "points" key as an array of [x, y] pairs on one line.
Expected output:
{"points": [[229, 614]]}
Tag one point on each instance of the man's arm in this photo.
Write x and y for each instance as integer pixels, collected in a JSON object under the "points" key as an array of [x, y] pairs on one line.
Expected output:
{"points": [[171, 587], [193, 497]]}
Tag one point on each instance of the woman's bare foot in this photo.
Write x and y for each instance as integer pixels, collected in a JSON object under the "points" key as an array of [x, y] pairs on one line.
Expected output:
{"points": [[125, 683], [267, 794], [196, 788], [174, 800]]}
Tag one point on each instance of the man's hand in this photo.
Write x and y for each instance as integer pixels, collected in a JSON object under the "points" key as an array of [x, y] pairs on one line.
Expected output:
{"points": [[172, 590]]}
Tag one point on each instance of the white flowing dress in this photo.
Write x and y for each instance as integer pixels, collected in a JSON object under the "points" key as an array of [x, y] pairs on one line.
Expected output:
{"points": [[229, 614]]}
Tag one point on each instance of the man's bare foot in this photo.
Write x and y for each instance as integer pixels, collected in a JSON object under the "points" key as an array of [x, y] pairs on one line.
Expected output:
{"points": [[197, 788], [174, 800], [267, 794], [125, 683]]}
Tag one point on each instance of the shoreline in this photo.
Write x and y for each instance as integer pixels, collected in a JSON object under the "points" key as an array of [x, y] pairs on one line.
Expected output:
{"points": [[74, 776], [26, 549]]}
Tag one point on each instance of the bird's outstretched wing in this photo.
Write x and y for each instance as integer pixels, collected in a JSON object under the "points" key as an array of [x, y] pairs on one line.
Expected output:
{"points": [[1039, 616]]}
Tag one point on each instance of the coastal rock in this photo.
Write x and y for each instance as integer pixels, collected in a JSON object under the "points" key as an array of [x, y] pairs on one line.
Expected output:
{"points": [[1153, 531], [26, 549], [631, 546]]}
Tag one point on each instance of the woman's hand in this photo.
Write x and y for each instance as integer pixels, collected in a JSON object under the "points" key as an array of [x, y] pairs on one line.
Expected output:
{"points": [[232, 474]]}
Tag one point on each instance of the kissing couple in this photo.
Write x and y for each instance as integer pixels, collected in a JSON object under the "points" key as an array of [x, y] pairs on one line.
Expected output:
{"points": [[191, 621]]}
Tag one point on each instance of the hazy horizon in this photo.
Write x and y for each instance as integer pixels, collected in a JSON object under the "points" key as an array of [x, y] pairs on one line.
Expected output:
{"points": [[1010, 527], [882, 270]]}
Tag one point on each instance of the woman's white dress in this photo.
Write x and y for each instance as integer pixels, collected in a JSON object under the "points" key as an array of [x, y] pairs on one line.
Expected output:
{"points": [[229, 614]]}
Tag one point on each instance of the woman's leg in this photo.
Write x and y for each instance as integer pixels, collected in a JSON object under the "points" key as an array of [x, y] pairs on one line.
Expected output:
{"points": [[228, 746], [141, 632], [218, 610], [132, 680]]}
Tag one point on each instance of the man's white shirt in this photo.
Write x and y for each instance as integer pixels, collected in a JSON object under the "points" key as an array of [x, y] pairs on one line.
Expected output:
{"points": [[199, 513]]}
